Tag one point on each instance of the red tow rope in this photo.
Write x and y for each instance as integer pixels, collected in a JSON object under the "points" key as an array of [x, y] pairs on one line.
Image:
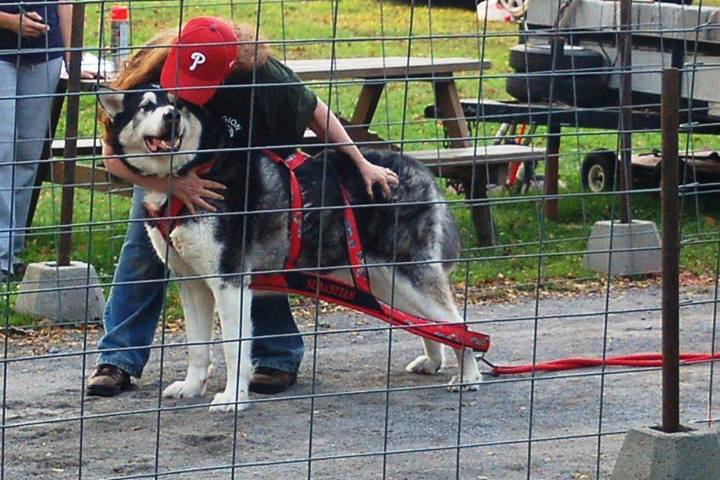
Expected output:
{"points": [[641, 360]]}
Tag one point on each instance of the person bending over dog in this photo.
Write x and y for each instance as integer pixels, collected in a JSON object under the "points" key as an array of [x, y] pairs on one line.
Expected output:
{"points": [[263, 104]]}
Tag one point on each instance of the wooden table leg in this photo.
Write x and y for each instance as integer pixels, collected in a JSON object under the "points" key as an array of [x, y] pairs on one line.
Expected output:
{"points": [[367, 103], [476, 190], [552, 170], [447, 104], [365, 108]]}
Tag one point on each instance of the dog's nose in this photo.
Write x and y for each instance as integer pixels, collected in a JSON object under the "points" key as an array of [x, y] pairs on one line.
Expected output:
{"points": [[172, 116]]}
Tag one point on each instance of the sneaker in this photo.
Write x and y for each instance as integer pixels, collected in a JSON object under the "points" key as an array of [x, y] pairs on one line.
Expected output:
{"points": [[17, 275], [270, 381], [19, 269], [108, 381]]}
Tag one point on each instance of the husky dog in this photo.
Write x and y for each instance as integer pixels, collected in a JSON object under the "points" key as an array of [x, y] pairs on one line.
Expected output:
{"points": [[157, 135]]}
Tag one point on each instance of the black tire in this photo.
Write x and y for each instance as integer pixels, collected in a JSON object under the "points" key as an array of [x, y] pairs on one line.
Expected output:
{"points": [[528, 88], [598, 171], [580, 90], [538, 58]]}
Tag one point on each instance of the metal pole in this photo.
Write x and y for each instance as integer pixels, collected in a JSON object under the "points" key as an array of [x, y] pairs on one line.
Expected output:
{"points": [[71, 133], [670, 252], [625, 49]]}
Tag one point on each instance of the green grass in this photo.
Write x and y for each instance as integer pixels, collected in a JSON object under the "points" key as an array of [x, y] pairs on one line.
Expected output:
{"points": [[529, 244]]}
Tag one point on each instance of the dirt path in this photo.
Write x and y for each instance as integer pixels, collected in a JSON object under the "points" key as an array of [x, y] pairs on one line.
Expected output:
{"points": [[352, 413]]}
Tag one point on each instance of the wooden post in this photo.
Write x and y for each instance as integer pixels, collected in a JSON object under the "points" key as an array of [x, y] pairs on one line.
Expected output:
{"points": [[71, 134], [552, 169]]}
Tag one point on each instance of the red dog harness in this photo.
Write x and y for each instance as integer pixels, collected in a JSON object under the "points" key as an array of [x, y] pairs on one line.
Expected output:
{"points": [[357, 296], [165, 219]]}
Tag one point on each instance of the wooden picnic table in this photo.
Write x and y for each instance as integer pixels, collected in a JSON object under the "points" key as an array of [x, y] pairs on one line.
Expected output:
{"points": [[378, 72], [374, 73]]}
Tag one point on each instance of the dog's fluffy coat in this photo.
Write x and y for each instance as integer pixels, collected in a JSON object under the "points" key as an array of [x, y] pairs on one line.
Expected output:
{"points": [[155, 136]]}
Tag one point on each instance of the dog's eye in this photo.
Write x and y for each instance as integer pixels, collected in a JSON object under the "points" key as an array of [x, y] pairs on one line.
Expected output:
{"points": [[149, 106]]}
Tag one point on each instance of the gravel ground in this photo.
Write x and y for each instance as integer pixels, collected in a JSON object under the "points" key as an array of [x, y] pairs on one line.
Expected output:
{"points": [[353, 419]]}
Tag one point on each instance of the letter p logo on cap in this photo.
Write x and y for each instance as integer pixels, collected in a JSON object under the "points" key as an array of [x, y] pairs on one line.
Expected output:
{"points": [[198, 58]]}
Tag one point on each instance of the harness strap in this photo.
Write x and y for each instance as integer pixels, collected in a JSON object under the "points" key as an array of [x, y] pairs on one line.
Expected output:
{"points": [[357, 296], [165, 218], [354, 246], [296, 203], [455, 335]]}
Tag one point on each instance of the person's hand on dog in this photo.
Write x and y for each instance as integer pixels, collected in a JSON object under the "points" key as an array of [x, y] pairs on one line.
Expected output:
{"points": [[193, 191], [374, 174], [190, 189], [29, 24]]}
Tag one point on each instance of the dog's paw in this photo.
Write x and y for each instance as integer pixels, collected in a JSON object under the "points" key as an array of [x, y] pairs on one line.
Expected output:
{"points": [[226, 402], [424, 364], [469, 384], [184, 389]]}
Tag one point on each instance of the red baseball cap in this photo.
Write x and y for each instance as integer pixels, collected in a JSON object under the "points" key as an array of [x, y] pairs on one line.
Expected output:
{"points": [[202, 56]]}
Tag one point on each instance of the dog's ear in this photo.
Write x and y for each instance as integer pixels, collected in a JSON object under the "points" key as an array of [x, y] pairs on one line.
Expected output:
{"points": [[110, 100]]}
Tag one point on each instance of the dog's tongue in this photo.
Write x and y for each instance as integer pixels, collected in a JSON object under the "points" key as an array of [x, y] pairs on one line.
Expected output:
{"points": [[155, 143]]}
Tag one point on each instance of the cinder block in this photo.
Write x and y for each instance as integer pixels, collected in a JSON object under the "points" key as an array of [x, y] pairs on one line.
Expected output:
{"points": [[61, 294], [635, 248], [650, 454]]}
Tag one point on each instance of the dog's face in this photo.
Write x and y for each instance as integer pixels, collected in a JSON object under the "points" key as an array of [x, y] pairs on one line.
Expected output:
{"points": [[156, 133]]}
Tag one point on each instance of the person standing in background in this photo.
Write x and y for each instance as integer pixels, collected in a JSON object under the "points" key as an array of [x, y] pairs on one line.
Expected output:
{"points": [[34, 37]]}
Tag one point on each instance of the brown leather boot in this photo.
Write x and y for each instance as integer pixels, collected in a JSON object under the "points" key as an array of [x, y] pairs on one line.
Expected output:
{"points": [[269, 380], [108, 381]]}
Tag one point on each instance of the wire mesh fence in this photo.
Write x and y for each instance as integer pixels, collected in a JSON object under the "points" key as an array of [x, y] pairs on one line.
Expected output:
{"points": [[542, 135]]}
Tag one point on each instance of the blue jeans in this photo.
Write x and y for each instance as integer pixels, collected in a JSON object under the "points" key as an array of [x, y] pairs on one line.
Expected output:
{"points": [[25, 100], [133, 309]]}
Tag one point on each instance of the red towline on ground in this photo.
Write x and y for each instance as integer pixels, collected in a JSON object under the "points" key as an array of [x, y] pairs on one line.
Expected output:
{"points": [[641, 360]]}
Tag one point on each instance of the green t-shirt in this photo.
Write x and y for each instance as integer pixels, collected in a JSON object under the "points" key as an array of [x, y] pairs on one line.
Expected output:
{"points": [[282, 106]]}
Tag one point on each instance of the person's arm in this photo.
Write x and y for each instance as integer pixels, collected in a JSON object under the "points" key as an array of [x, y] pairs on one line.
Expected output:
{"points": [[65, 19], [335, 133], [29, 24], [190, 189]]}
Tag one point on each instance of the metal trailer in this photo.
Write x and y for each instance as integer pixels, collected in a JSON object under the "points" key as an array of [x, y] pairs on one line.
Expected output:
{"points": [[662, 35]]}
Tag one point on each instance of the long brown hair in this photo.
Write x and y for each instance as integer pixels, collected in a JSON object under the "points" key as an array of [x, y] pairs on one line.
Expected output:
{"points": [[145, 64]]}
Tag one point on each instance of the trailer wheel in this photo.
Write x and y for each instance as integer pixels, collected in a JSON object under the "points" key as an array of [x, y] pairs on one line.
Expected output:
{"points": [[537, 58], [581, 91], [598, 171], [527, 88]]}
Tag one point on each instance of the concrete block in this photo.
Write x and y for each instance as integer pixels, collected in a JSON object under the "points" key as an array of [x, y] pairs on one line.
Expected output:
{"points": [[635, 248], [78, 296], [649, 454]]}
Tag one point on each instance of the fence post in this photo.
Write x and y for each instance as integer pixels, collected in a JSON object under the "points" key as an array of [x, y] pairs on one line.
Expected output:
{"points": [[626, 105], [670, 451], [71, 135], [670, 253]]}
